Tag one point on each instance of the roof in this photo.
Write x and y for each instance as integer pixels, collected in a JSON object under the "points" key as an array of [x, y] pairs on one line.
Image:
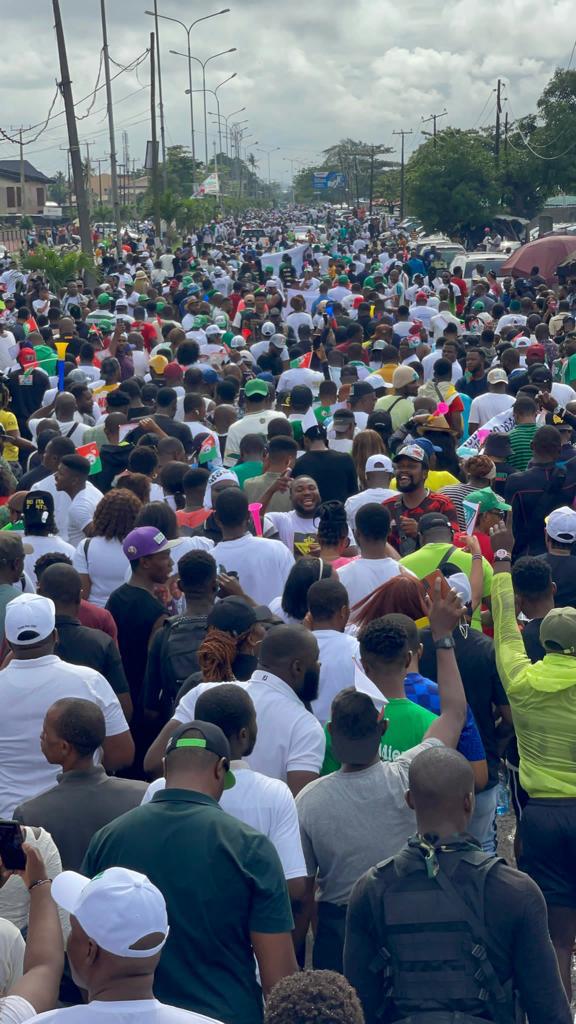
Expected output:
{"points": [[561, 201], [11, 169]]}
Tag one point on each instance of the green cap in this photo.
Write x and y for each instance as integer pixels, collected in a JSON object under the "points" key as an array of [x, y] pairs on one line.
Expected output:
{"points": [[478, 307], [343, 279], [187, 279], [368, 282], [488, 500], [256, 387], [558, 632], [104, 299], [268, 270], [160, 306]]}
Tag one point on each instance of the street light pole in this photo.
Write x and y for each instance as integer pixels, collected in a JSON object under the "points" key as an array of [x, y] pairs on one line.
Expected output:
{"points": [[214, 93], [188, 29], [226, 119], [202, 64]]}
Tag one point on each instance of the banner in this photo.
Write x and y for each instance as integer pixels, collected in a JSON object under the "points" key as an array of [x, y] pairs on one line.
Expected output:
{"points": [[500, 424], [322, 181], [209, 187], [274, 259], [308, 294]]}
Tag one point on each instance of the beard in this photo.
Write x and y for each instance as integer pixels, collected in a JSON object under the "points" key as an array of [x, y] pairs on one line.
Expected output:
{"points": [[306, 513], [310, 684], [407, 488]]}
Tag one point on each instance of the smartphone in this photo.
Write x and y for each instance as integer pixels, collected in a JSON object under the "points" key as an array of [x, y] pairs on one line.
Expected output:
{"points": [[11, 839]]}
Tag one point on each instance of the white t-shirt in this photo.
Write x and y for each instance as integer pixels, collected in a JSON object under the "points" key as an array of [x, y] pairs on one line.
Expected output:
{"points": [[42, 545], [74, 429], [260, 347], [338, 293], [439, 322], [299, 375], [15, 1010], [429, 362], [484, 407], [262, 565], [297, 320], [8, 350], [105, 563], [293, 530], [563, 393], [81, 511], [62, 502], [254, 423], [367, 497], [363, 575], [27, 690], [134, 1011], [12, 947], [510, 320], [265, 804], [337, 653], [423, 313], [290, 739]]}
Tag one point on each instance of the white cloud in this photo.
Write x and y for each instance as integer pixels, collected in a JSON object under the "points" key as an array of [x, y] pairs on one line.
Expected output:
{"points": [[307, 74]]}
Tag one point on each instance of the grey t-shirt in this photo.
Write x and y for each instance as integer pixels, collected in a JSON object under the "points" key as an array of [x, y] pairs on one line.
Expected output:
{"points": [[350, 821]]}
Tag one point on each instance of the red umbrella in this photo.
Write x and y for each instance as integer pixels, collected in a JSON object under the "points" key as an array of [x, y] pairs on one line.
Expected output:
{"points": [[545, 253]]}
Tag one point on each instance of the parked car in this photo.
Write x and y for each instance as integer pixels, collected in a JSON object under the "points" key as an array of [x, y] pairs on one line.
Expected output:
{"points": [[468, 261]]}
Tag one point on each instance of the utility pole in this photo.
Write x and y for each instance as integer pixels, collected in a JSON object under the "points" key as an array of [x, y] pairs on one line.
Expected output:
{"points": [[88, 177], [65, 87], [155, 195], [371, 179], [160, 101], [506, 139], [113, 167], [434, 118], [497, 131], [402, 133], [22, 178], [99, 162], [126, 158]]}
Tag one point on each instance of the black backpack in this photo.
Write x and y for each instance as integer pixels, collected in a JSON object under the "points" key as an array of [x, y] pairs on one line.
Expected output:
{"points": [[182, 637], [433, 957]]}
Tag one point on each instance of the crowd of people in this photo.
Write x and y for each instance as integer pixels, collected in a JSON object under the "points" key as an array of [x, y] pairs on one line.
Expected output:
{"points": [[287, 622]]}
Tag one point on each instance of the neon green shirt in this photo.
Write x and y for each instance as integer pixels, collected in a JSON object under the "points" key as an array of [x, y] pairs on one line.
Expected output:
{"points": [[543, 702], [427, 559], [407, 726]]}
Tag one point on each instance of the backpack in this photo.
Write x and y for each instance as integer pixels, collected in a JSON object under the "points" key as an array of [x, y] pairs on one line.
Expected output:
{"points": [[433, 958], [183, 635]]}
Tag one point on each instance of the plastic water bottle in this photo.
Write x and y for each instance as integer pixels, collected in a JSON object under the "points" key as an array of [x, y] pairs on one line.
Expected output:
{"points": [[503, 797]]}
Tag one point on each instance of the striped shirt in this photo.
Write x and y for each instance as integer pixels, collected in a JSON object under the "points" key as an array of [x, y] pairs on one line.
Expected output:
{"points": [[521, 444], [457, 493]]}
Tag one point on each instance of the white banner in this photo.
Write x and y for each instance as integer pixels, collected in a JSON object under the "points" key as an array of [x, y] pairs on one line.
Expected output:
{"points": [[274, 259], [308, 294]]}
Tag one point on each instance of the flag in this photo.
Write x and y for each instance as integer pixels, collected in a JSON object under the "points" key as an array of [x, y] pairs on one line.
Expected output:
{"points": [[302, 362], [470, 515], [92, 453], [208, 451]]}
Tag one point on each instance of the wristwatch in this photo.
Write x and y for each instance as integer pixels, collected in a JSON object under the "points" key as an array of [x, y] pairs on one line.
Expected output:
{"points": [[445, 643], [502, 555]]}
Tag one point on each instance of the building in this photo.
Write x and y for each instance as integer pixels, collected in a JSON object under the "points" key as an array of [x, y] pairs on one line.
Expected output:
{"points": [[12, 202], [130, 187]]}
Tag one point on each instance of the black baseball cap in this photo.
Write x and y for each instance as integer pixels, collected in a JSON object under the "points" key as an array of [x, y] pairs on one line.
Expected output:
{"points": [[433, 521], [211, 738], [235, 616], [360, 389], [38, 506]]}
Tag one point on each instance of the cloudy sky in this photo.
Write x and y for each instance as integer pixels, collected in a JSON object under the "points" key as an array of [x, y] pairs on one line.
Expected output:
{"points": [[309, 72]]}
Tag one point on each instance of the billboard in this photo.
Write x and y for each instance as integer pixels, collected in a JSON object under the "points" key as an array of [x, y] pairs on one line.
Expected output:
{"points": [[322, 181]]}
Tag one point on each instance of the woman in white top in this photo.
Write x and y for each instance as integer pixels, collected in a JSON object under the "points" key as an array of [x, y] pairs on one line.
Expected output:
{"points": [[100, 559], [292, 606], [40, 531]]}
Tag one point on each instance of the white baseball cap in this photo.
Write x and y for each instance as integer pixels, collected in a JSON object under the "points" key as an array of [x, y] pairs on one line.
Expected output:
{"points": [[560, 526], [238, 341], [461, 584], [268, 329], [30, 619], [211, 330], [497, 376], [378, 462], [116, 909]]}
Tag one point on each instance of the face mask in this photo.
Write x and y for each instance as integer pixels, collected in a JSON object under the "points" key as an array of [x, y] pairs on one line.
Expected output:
{"points": [[310, 685]]}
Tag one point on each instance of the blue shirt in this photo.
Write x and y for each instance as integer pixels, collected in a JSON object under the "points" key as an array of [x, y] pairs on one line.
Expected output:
{"points": [[425, 693]]}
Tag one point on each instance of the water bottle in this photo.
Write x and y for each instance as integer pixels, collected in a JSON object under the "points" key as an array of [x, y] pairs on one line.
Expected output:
{"points": [[503, 795]]}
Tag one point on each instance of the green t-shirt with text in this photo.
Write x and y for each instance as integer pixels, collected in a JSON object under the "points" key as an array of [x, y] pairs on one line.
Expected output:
{"points": [[407, 725]]}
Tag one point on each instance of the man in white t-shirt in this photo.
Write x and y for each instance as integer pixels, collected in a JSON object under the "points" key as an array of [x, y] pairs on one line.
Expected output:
{"points": [[375, 566], [329, 612], [262, 565], [257, 415], [378, 471], [274, 343], [119, 926], [421, 310], [72, 478], [290, 744], [29, 685], [495, 401], [258, 800]]}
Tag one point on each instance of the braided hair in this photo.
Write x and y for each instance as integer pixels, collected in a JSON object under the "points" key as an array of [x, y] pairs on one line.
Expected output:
{"points": [[216, 655], [332, 523]]}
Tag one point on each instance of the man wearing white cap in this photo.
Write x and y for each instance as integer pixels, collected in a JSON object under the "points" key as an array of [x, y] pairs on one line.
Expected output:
{"points": [[560, 540], [378, 471], [33, 680], [495, 401], [119, 926]]}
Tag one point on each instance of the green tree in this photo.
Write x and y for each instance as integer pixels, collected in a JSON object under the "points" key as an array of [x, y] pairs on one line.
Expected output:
{"points": [[58, 189], [453, 186], [59, 267]]}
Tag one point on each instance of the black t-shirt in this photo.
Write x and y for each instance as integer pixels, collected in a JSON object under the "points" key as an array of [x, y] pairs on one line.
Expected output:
{"points": [[473, 388], [26, 391], [482, 685], [503, 471], [33, 476], [531, 638], [564, 576], [135, 611], [334, 472], [80, 645]]}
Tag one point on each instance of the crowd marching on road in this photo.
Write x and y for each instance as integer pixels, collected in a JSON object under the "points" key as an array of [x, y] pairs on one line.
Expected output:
{"points": [[287, 623]]}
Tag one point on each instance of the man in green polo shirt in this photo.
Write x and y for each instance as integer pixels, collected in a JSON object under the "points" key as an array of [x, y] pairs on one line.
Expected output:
{"points": [[222, 881]]}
